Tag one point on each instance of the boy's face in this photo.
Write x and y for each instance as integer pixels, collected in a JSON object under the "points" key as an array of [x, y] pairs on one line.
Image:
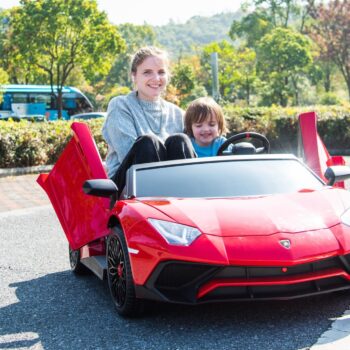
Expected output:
{"points": [[206, 132]]}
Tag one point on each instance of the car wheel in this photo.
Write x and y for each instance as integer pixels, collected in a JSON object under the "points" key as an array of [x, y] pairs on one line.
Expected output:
{"points": [[75, 264], [119, 275]]}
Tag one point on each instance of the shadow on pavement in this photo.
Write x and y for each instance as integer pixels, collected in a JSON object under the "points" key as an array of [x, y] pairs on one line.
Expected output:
{"points": [[63, 311]]}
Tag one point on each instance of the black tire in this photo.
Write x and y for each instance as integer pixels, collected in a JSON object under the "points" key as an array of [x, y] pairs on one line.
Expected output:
{"points": [[75, 264], [119, 276]]}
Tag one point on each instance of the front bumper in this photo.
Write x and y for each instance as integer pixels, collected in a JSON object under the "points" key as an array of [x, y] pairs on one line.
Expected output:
{"points": [[192, 283]]}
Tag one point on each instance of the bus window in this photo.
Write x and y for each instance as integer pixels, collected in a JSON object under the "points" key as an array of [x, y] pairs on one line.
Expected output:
{"points": [[69, 103], [19, 98], [40, 98]]}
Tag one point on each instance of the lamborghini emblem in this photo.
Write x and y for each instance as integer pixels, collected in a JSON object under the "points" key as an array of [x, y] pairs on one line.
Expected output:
{"points": [[285, 243]]}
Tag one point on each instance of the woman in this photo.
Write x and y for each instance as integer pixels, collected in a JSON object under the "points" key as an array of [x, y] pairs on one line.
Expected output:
{"points": [[142, 127]]}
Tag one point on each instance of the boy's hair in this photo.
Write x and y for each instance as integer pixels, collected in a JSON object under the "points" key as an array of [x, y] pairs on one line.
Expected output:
{"points": [[143, 53], [201, 109]]}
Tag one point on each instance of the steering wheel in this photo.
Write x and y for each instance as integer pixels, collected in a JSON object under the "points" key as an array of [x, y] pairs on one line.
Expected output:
{"points": [[245, 147]]}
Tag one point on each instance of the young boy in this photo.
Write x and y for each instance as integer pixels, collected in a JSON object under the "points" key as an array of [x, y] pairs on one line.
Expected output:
{"points": [[205, 124]]}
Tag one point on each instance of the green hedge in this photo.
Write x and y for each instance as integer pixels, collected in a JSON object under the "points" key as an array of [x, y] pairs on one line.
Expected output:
{"points": [[28, 144], [280, 125]]}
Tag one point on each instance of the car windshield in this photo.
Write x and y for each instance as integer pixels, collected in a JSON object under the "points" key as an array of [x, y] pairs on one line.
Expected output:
{"points": [[225, 179]]}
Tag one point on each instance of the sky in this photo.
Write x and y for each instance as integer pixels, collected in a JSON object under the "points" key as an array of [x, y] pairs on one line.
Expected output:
{"points": [[156, 12]]}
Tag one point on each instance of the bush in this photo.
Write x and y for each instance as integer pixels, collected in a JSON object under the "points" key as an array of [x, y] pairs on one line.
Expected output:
{"points": [[329, 99], [27, 144], [280, 125]]}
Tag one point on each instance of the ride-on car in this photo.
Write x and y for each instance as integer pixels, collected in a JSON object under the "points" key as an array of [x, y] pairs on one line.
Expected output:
{"points": [[245, 226]]}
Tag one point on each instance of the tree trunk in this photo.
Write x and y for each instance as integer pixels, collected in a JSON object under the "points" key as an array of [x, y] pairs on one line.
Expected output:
{"points": [[296, 91], [247, 92], [284, 100], [59, 103], [327, 79]]}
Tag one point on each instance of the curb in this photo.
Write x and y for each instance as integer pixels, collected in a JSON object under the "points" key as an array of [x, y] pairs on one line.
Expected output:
{"points": [[25, 171]]}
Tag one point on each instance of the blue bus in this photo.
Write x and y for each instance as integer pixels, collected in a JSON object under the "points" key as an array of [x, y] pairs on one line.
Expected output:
{"points": [[38, 100]]}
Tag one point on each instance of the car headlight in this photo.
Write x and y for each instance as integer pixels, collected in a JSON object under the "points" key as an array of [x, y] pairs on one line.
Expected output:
{"points": [[175, 234], [345, 217]]}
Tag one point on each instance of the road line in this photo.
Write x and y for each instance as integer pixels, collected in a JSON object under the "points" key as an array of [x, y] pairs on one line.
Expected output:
{"points": [[337, 337], [25, 211]]}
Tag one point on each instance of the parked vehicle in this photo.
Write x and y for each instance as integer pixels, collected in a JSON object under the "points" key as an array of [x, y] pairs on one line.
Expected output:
{"points": [[91, 115], [247, 226], [27, 100]]}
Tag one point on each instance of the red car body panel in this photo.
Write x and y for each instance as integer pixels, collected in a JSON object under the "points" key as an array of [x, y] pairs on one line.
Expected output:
{"points": [[256, 216], [236, 232], [232, 243], [83, 218], [316, 155]]}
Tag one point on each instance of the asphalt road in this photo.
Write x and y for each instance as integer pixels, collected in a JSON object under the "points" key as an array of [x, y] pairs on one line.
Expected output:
{"points": [[44, 306]]}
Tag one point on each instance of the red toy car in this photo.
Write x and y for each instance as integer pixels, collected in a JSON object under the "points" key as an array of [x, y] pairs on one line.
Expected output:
{"points": [[238, 227]]}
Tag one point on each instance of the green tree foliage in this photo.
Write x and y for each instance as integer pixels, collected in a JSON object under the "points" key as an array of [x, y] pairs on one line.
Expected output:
{"points": [[183, 78], [237, 70], [331, 31], [282, 12], [3, 80], [58, 35], [18, 67], [267, 15], [226, 68], [283, 57], [3, 77], [245, 75], [183, 38], [251, 27], [184, 83]]}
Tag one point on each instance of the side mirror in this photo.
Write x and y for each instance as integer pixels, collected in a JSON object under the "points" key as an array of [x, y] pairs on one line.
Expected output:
{"points": [[100, 188], [337, 173]]}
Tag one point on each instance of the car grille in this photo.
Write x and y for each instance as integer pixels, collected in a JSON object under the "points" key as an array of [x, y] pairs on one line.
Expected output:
{"points": [[195, 283]]}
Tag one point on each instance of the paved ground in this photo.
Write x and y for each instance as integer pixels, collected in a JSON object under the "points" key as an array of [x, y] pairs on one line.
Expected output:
{"points": [[20, 192]]}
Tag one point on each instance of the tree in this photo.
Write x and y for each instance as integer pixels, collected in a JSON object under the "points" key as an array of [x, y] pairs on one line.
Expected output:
{"points": [[237, 70], [267, 15], [3, 80], [58, 35], [283, 56], [227, 65], [3, 76], [183, 78], [331, 31], [251, 27], [245, 75], [19, 69], [282, 12]]}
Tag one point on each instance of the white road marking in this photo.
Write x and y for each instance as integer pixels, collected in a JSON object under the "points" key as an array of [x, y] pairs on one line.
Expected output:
{"points": [[337, 337], [24, 211]]}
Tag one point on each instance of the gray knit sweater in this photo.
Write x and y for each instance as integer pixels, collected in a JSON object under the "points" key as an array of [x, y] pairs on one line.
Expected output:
{"points": [[128, 117]]}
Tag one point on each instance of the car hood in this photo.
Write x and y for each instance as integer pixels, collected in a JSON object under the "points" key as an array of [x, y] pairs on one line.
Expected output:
{"points": [[257, 216]]}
